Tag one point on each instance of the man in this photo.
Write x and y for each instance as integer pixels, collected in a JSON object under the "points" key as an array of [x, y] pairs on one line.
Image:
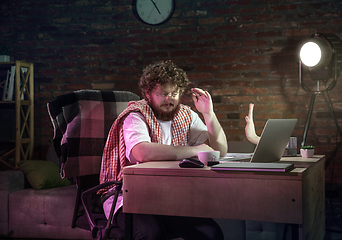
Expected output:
{"points": [[160, 128]]}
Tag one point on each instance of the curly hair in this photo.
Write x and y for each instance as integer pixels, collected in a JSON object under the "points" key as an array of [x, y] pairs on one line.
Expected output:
{"points": [[161, 73]]}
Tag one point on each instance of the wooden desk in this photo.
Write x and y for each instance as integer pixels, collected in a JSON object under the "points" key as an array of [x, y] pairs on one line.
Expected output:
{"points": [[295, 197]]}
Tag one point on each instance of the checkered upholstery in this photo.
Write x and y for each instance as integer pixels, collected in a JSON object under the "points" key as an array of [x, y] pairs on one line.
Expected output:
{"points": [[81, 122]]}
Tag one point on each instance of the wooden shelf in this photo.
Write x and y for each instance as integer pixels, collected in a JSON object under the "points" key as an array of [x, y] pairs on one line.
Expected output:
{"points": [[7, 63], [23, 105]]}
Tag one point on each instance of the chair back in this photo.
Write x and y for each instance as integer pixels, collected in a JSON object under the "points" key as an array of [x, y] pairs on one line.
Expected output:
{"points": [[81, 121]]}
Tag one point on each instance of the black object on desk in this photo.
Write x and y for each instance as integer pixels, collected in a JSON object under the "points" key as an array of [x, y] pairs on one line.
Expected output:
{"points": [[192, 162]]}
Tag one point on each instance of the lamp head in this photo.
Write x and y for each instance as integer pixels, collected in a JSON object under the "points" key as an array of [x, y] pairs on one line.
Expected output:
{"points": [[316, 53], [322, 54]]}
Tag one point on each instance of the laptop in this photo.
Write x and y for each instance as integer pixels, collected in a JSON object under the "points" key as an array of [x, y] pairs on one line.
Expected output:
{"points": [[270, 148]]}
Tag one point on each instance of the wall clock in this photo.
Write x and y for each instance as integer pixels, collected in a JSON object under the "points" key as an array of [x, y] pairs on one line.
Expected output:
{"points": [[153, 12]]}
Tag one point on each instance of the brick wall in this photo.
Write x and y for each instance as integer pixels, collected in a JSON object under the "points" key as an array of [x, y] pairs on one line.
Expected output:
{"points": [[240, 51]]}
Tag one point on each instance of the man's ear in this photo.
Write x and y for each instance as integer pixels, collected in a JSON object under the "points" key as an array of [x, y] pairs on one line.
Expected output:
{"points": [[148, 97]]}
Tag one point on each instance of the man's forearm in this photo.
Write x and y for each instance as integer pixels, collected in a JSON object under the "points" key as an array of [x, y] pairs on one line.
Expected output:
{"points": [[217, 137], [146, 151]]}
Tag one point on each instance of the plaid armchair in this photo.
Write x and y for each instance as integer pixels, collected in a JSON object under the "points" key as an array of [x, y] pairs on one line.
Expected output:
{"points": [[81, 121]]}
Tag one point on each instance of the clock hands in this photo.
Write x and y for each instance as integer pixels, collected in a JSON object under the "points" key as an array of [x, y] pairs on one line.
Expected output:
{"points": [[153, 12], [155, 6]]}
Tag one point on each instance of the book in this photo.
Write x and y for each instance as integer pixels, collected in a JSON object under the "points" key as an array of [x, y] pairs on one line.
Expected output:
{"points": [[11, 85], [5, 90]]}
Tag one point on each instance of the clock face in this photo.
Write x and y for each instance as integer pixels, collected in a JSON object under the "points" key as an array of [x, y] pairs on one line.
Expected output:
{"points": [[153, 12]]}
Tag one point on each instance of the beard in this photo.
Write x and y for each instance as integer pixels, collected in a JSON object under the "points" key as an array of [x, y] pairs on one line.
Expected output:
{"points": [[162, 115]]}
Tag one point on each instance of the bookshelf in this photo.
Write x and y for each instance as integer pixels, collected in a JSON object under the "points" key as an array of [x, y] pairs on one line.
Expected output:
{"points": [[17, 114]]}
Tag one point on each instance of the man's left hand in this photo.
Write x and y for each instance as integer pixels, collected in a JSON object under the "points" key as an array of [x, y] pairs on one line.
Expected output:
{"points": [[202, 101]]}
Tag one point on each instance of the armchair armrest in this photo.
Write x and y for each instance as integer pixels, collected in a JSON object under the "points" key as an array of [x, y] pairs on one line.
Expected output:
{"points": [[10, 181]]}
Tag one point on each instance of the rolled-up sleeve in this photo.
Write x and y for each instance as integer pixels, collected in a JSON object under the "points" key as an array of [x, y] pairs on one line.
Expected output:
{"points": [[135, 131]]}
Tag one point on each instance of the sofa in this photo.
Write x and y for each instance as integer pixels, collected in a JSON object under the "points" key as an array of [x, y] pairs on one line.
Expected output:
{"points": [[30, 213]]}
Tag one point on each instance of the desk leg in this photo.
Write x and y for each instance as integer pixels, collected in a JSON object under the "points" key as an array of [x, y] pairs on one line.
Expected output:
{"points": [[128, 226], [295, 232]]}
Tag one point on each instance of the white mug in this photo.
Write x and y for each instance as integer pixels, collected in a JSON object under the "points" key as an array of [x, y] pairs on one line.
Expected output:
{"points": [[207, 156]]}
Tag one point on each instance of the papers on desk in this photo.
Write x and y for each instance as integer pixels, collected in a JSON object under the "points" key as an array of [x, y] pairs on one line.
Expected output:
{"points": [[248, 166]]}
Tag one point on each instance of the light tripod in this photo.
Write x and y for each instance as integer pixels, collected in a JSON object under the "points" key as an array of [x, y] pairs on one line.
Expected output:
{"points": [[328, 65], [327, 101]]}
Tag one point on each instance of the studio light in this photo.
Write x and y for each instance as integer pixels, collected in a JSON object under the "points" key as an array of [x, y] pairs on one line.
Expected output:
{"points": [[321, 56], [316, 53]]}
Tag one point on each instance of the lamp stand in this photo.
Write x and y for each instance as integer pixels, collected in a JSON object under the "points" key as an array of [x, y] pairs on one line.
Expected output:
{"points": [[308, 118], [328, 103]]}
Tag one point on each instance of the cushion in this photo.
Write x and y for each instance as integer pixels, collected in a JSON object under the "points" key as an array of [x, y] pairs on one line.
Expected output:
{"points": [[42, 174]]}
